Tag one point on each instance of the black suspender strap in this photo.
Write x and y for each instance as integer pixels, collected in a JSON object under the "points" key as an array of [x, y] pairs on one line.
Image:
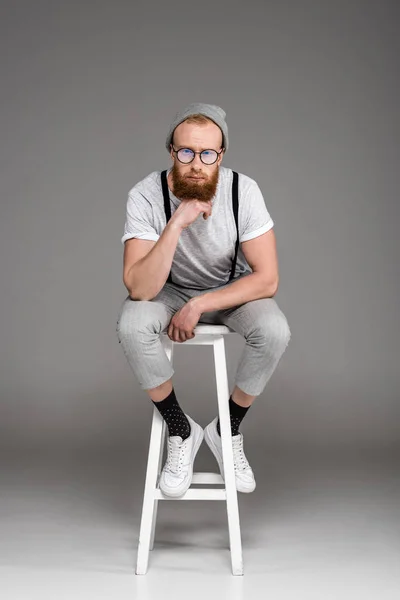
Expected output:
{"points": [[235, 207], [167, 205]]}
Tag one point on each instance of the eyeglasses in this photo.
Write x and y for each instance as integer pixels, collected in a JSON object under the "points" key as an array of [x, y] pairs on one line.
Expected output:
{"points": [[186, 155]]}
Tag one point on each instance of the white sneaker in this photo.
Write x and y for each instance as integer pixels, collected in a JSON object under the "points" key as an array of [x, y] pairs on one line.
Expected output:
{"points": [[177, 473], [244, 475]]}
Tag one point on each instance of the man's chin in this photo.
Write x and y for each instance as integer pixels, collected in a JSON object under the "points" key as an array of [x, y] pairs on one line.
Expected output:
{"points": [[192, 191], [195, 188]]}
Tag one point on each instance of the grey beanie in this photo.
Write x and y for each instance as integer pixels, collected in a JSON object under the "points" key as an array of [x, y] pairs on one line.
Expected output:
{"points": [[214, 112]]}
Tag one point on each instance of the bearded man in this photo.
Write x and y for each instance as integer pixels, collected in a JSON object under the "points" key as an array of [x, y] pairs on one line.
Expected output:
{"points": [[190, 258]]}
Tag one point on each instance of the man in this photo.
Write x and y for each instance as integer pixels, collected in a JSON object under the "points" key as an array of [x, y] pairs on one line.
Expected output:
{"points": [[183, 265]]}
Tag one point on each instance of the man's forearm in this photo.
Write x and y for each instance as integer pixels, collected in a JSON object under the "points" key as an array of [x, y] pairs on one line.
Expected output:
{"points": [[149, 274], [251, 287]]}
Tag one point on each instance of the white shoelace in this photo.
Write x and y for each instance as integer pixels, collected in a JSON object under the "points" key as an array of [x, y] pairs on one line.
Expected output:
{"points": [[176, 451], [239, 458]]}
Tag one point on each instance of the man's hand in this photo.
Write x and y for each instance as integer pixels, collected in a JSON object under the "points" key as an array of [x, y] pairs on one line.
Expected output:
{"points": [[188, 211], [183, 322]]}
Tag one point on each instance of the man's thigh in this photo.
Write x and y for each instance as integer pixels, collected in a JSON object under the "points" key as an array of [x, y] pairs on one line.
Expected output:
{"points": [[172, 296], [263, 314]]}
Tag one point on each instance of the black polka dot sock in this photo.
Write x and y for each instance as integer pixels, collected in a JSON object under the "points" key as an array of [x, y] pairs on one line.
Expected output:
{"points": [[237, 413], [174, 416]]}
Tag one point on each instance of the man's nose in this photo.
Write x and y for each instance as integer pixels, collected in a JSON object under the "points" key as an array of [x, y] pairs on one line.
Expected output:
{"points": [[196, 162]]}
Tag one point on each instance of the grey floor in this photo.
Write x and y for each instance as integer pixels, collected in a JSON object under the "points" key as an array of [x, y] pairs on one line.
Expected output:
{"points": [[319, 525]]}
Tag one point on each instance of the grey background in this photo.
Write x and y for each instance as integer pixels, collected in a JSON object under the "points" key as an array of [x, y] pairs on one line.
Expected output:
{"points": [[311, 95], [311, 91]]}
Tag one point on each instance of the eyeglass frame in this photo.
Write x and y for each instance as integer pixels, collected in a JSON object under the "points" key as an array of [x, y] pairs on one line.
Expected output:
{"points": [[194, 155]]}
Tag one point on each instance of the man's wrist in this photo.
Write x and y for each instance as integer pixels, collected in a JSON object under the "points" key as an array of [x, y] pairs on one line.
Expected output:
{"points": [[198, 303], [171, 225]]}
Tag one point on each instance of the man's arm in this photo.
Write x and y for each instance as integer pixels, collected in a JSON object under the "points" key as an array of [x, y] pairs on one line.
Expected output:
{"points": [[147, 264], [261, 255], [146, 268]]}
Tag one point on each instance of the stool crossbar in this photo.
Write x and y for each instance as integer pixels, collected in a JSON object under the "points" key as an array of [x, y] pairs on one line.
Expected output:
{"points": [[204, 335]]}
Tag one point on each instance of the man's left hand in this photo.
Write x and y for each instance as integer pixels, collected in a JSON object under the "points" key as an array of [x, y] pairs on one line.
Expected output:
{"points": [[183, 322]]}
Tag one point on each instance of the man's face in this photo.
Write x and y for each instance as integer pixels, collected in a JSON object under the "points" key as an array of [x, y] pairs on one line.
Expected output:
{"points": [[197, 138]]}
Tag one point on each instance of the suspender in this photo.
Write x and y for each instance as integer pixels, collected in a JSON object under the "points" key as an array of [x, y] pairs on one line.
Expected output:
{"points": [[235, 208], [167, 205]]}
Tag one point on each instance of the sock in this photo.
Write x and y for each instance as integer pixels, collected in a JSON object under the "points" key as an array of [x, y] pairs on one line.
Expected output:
{"points": [[174, 416], [236, 413]]}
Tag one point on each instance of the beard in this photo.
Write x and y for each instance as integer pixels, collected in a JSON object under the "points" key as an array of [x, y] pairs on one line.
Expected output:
{"points": [[188, 189]]}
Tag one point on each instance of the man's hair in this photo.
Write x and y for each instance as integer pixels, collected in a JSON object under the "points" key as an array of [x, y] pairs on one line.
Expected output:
{"points": [[198, 119]]}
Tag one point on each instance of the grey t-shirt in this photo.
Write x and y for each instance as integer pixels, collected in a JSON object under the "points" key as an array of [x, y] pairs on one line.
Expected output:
{"points": [[206, 248]]}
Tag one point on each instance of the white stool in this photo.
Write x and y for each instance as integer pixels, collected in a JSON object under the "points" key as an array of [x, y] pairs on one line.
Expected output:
{"points": [[204, 335]]}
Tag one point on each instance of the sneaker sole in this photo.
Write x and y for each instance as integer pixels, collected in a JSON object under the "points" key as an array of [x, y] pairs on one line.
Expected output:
{"points": [[177, 493]]}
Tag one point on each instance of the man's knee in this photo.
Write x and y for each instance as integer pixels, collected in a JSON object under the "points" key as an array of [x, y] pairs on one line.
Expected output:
{"points": [[138, 318], [272, 329]]}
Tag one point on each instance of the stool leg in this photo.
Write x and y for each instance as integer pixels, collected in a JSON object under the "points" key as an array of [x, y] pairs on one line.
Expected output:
{"points": [[227, 456], [153, 528], [169, 350], [148, 510]]}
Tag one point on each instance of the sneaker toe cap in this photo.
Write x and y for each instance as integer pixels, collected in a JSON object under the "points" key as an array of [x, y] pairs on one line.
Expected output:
{"points": [[246, 477], [173, 481]]}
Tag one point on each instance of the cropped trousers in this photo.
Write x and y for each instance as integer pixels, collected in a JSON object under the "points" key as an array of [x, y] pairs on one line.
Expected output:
{"points": [[260, 322]]}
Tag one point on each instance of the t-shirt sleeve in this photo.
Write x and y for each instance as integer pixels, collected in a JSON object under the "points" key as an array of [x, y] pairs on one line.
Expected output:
{"points": [[139, 222], [254, 218]]}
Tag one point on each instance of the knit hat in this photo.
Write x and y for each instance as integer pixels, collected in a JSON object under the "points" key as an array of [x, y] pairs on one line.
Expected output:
{"points": [[214, 112]]}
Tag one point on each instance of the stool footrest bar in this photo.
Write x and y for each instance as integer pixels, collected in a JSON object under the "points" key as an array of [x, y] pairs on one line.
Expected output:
{"points": [[212, 478], [195, 494]]}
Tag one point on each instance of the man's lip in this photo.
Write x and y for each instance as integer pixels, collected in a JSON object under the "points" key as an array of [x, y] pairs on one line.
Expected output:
{"points": [[189, 177]]}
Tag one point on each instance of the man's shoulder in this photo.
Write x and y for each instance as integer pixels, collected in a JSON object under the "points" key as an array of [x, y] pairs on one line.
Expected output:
{"points": [[148, 186], [245, 181]]}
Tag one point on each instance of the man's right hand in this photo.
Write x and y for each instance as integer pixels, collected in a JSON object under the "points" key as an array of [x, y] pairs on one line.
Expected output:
{"points": [[188, 211]]}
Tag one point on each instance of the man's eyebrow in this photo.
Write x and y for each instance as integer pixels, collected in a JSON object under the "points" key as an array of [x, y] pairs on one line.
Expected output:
{"points": [[189, 148]]}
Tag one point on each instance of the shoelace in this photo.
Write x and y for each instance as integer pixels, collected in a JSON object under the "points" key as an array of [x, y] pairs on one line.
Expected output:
{"points": [[175, 453], [239, 458]]}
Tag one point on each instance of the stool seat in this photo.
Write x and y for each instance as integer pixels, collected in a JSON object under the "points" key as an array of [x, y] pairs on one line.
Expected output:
{"points": [[209, 329], [206, 328], [205, 334]]}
